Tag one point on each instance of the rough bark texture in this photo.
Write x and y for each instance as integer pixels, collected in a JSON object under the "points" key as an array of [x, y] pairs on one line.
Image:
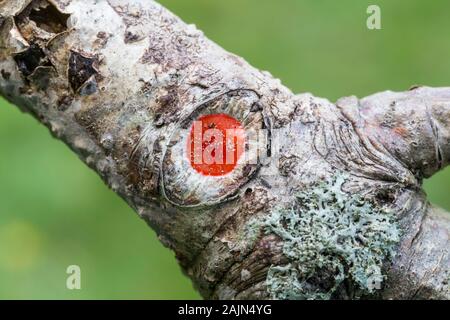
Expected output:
{"points": [[120, 81]]}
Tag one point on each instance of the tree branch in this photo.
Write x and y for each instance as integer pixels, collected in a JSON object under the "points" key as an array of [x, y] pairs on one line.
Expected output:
{"points": [[121, 82]]}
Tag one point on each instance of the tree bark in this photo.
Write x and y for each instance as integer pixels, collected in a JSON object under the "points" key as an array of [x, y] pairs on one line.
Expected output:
{"points": [[121, 81]]}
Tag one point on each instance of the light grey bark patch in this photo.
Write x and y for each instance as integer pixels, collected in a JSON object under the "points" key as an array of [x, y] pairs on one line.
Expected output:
{"points": [[122, 132], [160, 53], [82, 72], [354, 149], [118, 128], [411, 126], [130, 15]]}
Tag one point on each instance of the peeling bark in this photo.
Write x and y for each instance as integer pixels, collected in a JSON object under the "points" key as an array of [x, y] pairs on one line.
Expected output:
{"points": [[121, 81]]}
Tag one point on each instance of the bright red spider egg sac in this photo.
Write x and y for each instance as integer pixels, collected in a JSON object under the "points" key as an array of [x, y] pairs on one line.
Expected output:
{"points": [[215, 144]]}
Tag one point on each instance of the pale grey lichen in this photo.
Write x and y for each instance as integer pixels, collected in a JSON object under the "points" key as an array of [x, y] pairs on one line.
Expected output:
{"points": [[330, 236]]}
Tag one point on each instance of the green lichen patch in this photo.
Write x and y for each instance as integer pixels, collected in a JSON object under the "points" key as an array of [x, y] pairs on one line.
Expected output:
{"points": [[330, 236]]}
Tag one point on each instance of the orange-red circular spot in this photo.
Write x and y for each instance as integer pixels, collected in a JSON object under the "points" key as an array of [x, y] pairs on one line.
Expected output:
{"points": [[215, 144]]}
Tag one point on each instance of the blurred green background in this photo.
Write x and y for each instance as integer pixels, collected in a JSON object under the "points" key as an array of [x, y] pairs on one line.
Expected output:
{"points": [[55, 212]]}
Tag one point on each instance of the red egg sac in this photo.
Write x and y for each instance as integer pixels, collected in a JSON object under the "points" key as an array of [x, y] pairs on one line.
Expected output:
{"points": [[207, 144]]}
